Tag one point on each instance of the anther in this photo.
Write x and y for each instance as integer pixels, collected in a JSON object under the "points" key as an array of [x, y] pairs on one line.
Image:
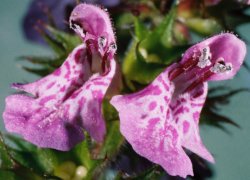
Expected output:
{"points": [[204, 59], [221, 67], [77, 28], [112, 47], [102, 42]]}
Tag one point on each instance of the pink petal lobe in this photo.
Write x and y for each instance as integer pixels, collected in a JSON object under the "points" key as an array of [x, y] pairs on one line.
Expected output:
{"points": [[23, 115], [146, 122], [58, 85], [89, 103], [93, 20], [187, 118]]}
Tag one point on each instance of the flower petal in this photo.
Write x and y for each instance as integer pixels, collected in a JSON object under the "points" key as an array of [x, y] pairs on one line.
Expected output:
{"points": [[88, 100], [70, 99], [56, 87], [93, 20], [226, 46], [41, 126], [186, 111], [66, 102], [147, 123]]}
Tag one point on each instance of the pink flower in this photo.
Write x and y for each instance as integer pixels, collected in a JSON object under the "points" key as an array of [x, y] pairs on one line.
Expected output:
{"points": [[62, 104], [162, 120]]}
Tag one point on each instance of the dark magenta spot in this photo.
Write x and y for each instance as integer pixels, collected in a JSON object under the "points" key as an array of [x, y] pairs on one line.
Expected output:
{"points": [[78, 56], [164, 83], [57, 72], [97, 94], [50, 85], [46, 99], [144, 116], [166, 99], [100, 83], [156, 90], [75, 94], [88, 86], [153, 121], [152, 106], [63, 89], [181, 110]]}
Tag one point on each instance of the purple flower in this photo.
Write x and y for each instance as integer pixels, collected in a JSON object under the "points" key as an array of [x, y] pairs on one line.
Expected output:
{"points": [[162, 120], [63, 104]]}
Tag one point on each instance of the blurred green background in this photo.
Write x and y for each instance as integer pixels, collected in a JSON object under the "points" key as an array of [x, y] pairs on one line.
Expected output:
{"points": [[231, 150]]}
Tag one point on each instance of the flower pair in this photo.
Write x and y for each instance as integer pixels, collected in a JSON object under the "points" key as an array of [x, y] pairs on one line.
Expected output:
{"points": [[158, 121]]}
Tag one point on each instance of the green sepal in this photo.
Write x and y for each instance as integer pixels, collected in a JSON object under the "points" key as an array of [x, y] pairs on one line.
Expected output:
{"points": [[162, 33], [137, 70], [7, 161], [204, 27]]}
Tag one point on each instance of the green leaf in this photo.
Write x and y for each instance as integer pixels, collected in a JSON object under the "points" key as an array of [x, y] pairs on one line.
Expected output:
{"points": [[113, 140], [158, 46], [203, 27], [8, 175], [11, 168], [109, 112], [83, 154], [140, 29], [54, 44], [41, 160], [61, 43], [162, 34], [69, 42], [152, 173], [137, 70], [6, 161], [48, 64], [44, 61], [40, 72]]}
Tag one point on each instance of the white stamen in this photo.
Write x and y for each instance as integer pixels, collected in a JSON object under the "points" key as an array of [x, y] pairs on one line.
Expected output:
{"points": [[102, 42], [220, 67], [77, 29], [204, 59], [112, 47]]}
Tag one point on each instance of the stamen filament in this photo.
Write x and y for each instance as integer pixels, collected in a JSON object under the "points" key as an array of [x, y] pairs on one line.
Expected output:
{"points": [[190, 63], [198, 81]]}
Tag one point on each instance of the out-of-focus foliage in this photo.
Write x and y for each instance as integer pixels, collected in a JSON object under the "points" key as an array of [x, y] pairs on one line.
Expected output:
{"points": [[151, 35]]}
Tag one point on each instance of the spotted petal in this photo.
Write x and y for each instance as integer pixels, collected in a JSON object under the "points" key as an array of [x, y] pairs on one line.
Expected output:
{"points": [[162, 119], [158, 125], [63, 104]]}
